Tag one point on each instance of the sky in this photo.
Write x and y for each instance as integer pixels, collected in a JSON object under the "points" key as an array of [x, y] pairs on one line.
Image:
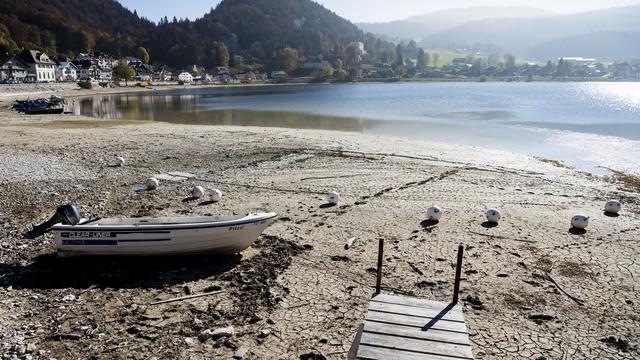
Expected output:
{"points": [[371, 10]]}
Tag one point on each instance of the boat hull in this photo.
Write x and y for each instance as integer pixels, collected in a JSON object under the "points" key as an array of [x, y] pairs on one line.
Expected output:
{"points": [[161, 240], [44, 111]]}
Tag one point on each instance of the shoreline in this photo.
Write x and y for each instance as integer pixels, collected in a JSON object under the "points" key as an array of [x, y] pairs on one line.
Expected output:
{"points": [[298, 281], [66, 87], [71, 91]]}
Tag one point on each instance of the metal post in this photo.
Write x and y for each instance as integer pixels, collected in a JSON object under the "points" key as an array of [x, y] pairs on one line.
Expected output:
{"points": [[380, 256], [456, 286]]}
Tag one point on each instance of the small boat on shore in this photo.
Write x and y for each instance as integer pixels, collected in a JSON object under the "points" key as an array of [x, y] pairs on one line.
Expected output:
{"points": [[52, 105], [152, 236]]}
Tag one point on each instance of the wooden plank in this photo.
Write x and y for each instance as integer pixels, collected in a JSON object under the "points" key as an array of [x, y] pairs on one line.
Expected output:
{"points": [[421, 303], [415, 311], [367, 352], [417, 333], [414, 345], [417, 322]]}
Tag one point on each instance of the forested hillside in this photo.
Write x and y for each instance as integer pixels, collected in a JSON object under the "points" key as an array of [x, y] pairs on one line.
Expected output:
{"points": [[254, 28]]}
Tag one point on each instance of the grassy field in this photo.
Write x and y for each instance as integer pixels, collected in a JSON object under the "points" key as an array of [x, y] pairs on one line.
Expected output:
{"points": [[447, 56]]}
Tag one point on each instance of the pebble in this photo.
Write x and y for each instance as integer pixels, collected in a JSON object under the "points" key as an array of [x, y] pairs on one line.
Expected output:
{"points": [[69, 298], [312, 355], [21, 350], [217, 333], [264, 333], [241, 353], [189, 341], [197, 324], [220, 342], [255, 318]]}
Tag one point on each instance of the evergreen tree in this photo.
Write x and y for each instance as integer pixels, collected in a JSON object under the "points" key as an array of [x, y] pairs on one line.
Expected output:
{"points": [[399, 56], [421, 63]]}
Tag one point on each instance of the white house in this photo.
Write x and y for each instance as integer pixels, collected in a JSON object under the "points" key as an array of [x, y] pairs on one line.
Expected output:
{"points": [[185, 77], [13, 69], [67, 71], [278, 75], [40, 65]]}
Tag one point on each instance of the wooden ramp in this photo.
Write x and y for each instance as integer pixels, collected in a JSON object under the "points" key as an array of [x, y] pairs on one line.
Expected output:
{"points": [[400, 328]]}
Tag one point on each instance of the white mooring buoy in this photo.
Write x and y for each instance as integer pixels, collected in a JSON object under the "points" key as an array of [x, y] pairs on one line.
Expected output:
{"points": [[613, 206], [333, 198], [215, 195], [493, 215], [580, 221], [152, 183], [434, 213], [197, 192], [119, 161]]}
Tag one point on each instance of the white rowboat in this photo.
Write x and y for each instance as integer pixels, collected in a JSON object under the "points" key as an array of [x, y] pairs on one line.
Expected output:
{"points": [[160, 236]]}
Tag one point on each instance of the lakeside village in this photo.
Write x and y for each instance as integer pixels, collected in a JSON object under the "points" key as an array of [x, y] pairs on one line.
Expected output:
{"points": [[31, 66]]}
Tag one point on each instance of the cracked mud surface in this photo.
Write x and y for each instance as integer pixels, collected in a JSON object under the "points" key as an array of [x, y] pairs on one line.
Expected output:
{"points": [[530, 287]]}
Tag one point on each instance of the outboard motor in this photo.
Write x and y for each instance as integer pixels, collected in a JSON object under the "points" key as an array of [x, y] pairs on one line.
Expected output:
{"points": [[67, 214]]}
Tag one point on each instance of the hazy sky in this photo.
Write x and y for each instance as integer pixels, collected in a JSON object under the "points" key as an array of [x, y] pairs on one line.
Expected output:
{"points": [[371, 10]]}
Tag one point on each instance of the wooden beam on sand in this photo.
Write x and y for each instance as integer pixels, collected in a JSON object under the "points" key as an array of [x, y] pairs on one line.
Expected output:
{"points": [[188, 297]]}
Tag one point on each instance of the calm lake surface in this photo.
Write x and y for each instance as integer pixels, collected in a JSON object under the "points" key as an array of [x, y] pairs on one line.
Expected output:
{"points": [[588, 125]]}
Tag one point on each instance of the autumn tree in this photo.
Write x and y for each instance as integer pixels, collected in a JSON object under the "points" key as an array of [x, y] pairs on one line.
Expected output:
{"points": [[222, 54], [86, 41], [352, 56], [122, 71], [143, 54], [327, 70], [340, 73], [289, 59], [387, 55], [7, 45], [509, 61]]}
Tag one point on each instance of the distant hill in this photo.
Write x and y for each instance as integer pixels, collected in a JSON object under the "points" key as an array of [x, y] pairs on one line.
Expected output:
{"points": [[528, 32], [524, 37], [256, 28], [274, 24], [421, 26], [61, 26], [611, 45]]}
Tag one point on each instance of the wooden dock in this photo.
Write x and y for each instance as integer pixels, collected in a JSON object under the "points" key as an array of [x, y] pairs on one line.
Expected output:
{"points": [[400, 328], [404, 328]]}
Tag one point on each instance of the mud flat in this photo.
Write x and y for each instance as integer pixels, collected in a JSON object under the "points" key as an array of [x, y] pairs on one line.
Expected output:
{"points": [[531, 288]]}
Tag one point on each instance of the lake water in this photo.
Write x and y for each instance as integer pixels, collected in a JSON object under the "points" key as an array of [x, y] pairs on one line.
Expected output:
{"points": [[588, 125]]}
